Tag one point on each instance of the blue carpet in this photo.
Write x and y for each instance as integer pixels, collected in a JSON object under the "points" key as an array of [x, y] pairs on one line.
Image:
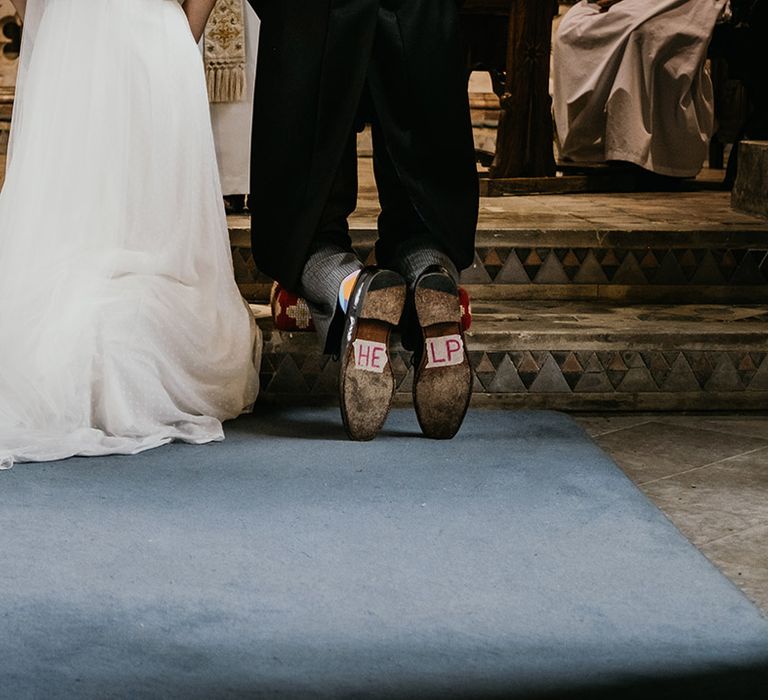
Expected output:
{"points": [[515, 561]]}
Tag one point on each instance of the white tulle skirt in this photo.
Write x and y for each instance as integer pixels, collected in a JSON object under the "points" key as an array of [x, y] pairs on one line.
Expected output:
{"points": [[121, 327]]}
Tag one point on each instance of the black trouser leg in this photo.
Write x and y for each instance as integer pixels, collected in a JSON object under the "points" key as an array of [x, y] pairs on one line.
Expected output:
{"points": [[409, 241], [331, 257], [423, 144], [406, 244]]}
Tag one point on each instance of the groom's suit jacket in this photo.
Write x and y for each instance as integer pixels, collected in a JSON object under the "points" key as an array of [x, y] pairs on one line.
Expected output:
{"points": [[316, 60]]}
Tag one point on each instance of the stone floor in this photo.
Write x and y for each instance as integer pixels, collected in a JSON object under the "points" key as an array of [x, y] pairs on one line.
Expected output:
{"points": [[709, 474], [704, 209]]}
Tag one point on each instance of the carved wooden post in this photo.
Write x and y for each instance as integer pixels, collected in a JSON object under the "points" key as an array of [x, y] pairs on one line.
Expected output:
{"points": [[10, 44], [525, 140]]}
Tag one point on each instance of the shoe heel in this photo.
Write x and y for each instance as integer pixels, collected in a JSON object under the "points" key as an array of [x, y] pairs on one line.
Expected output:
{"points": [[437, 300], [385, 300]]}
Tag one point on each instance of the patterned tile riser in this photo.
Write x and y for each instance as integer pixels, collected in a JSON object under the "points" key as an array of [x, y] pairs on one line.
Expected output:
{"points": [[619, 266], [581, 268], [558, 372]]}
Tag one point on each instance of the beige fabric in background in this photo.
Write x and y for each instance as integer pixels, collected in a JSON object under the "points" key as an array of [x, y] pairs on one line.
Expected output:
{"points": [[631, 84], [225, 52], [232, 120]]}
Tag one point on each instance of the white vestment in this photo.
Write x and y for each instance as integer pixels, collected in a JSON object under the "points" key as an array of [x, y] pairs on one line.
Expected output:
{"points": [[232, 120], [631, 84]]}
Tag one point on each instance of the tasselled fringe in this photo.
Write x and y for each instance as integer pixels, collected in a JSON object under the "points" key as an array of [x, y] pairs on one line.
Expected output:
{"points": [[226, 84]]}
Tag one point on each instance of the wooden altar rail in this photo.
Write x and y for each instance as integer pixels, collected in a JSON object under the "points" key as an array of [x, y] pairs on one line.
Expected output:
{"points": [[512, 40]]}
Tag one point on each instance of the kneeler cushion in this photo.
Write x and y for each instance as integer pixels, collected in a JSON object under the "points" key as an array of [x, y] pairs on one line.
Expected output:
{"points": [[291, 313]]}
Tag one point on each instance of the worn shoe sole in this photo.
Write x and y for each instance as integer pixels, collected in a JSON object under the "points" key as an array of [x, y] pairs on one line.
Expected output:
{"points": [[443, 383], [367, 383]]}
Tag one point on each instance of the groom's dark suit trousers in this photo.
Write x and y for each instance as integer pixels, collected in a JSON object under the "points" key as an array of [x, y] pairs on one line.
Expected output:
{"points": [[327, 66]]}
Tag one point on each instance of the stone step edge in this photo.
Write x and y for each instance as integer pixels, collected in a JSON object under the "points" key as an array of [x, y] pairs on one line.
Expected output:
{"points": [[539, 291], [631, 239], [497, 331], [697, 402], [573, 340]]}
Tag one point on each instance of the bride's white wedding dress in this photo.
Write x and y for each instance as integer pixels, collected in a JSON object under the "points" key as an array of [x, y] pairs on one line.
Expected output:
{"points": [[121, 327]]}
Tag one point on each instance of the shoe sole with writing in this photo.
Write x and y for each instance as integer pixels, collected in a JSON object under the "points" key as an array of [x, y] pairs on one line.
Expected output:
{"points": [[443, 382], [367, 382]]}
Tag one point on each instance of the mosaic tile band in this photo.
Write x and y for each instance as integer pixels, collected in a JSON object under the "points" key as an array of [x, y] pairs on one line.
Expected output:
{"points": [[631, 268], [704, 378]]}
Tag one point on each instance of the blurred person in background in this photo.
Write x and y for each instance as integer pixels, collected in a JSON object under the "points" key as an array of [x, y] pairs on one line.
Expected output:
{"points": [[631, 83]]}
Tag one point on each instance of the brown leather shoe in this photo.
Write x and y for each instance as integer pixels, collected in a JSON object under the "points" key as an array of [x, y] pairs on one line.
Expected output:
{"points": [[442, 386], [367, 383]]}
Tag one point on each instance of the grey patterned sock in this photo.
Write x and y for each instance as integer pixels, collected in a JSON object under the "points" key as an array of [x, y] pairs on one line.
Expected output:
{"points": [[414, 257], [325, 270]]}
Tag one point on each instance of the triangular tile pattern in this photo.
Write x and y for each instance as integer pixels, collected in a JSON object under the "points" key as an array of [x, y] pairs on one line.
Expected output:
{"points": [[493, 260], [649, 262], [686, 258], [507, 380], [590, 272], [708, 271], [561, 372], [550, 379], [327, 383], [681, 377], [748, 271], [747, 365], [725, 376], [596, 266], [288, 378], [657, 365], [610, 262], [638, 380], [513, 271], [629, 272], [527, 368], [485, 371], [406, 386], [760, 379], [699, 363], [399, 368], [532, 261], [571, 262], [582, 266], [726, 262], [594, 382], [669, 271], [570, 367], [551, 271], [476, 274]]}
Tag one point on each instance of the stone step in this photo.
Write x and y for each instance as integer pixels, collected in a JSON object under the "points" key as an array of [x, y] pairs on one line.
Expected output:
{"points": [[574, 248], [750, 193], [572, 356]]}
